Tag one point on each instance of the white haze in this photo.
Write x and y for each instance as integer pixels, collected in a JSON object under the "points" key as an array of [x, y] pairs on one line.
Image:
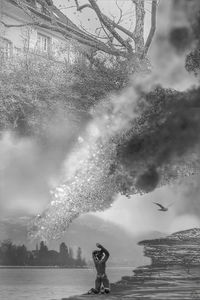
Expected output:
{"points": [[140, 215], [27, 172]]}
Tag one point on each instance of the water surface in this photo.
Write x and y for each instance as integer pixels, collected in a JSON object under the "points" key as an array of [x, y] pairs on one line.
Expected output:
{"points": [[48, 284]]}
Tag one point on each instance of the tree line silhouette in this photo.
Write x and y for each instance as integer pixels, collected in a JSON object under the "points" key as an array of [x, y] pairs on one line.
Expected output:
{"points": [[13, 255]]}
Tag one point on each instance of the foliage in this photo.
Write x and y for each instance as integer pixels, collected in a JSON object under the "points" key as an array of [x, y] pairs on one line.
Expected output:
{"points": [[193, 61], [36, 92], [154, 150], [193, 58], [95, 81], [30, 94], [13, 255]]}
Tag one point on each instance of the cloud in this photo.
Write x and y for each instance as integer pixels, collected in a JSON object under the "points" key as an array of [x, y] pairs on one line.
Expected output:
{"points": [[97, 169], [184, 222], [31, 166], [139, 214]]}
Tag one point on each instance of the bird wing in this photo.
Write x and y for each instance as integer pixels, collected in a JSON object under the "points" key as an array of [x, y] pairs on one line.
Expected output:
{"points": [[160, 205]]}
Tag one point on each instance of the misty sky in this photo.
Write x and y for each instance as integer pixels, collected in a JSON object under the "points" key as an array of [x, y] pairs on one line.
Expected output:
{"points": [[136, 215]]}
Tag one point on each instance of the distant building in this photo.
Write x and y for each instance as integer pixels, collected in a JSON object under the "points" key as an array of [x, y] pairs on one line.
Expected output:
{"points": [[25, 38]]}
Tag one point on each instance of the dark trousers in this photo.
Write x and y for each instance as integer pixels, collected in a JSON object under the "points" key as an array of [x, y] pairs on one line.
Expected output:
{"points": [[101, 279]]}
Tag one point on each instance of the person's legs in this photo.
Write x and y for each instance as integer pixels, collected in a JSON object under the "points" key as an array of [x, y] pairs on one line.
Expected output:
{"points": [[106, 284], [92, 291], [98, 284]]}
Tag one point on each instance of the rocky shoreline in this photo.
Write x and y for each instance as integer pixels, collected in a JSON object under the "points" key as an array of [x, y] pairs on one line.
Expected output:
{"points": [[174, 272], [180, 248]]}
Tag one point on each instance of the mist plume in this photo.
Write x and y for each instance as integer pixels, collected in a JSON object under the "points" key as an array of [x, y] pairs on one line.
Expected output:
{"points": [[142, 138]]}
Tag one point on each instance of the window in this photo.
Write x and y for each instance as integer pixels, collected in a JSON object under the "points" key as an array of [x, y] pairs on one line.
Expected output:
{"points": [[26, 44], [5, 48], [43, 43], [17, 51]]}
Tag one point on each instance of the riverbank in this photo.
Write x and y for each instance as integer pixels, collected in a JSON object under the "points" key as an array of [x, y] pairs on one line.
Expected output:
{"points": [[174, 272]]}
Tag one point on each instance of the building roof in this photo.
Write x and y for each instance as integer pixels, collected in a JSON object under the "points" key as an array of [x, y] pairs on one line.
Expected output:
{"points": [[44, 16]]}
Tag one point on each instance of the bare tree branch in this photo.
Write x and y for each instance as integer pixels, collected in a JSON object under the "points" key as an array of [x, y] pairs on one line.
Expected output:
{"points": [[120, 12], [55, 27], [46, 6], [109, 38], [126, 31], [153, 26], [17, 25], [23, 6], [106, 22], [67, 7], [92, 35], [98, 30], [116, 34], [80, 7], [110, 24], [37, 21], [139, 27], [98, 45]]}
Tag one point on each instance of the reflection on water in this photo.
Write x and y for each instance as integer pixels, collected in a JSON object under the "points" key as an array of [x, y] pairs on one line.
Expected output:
{"points": [[47, 284], [149, 283]]}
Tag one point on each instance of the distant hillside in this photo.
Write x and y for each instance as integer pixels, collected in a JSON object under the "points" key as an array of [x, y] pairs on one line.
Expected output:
{"points": [[85, 232], [90, 229]]}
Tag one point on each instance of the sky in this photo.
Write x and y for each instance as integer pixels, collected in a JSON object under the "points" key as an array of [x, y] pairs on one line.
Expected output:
{"points": [[137, 215], [89, 21]]}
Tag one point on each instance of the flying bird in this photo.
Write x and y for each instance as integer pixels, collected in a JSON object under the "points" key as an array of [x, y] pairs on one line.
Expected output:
{"points": [[162, 208]]}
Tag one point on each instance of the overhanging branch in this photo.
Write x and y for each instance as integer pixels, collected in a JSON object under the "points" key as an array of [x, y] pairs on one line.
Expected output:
{"points": [[80, 7], [91, 43], [106, 22], [153, 26], [111, 22], [110, 26], [139, 27], [17, 25]]}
